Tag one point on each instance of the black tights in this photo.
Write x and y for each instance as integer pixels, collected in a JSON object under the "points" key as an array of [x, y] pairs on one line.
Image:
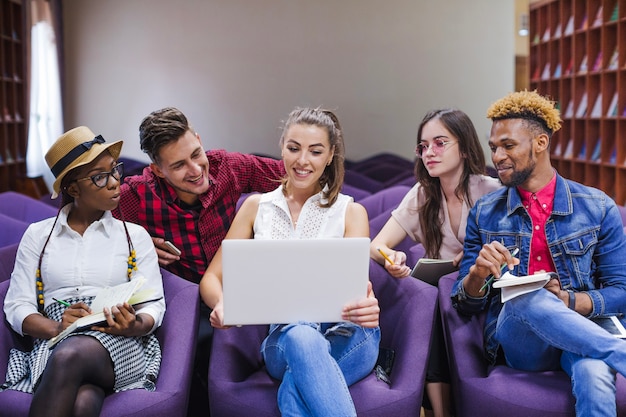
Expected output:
{"points": [[77, 376]]}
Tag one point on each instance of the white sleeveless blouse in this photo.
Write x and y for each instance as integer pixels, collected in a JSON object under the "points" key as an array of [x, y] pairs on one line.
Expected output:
{"points": [[273, 220]]}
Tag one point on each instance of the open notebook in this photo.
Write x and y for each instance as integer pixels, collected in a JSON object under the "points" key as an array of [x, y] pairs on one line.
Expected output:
{"points": [[284, 281]]}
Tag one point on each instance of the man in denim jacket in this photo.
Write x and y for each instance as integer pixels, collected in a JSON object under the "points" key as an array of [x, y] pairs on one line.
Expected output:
{"points": [[559, 226]]}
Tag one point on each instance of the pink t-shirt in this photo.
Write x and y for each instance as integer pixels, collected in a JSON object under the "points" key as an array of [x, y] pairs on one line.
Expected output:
{"points": [[407, 214]]}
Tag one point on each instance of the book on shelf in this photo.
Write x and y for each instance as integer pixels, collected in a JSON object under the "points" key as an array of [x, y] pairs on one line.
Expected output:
{"points": [[596, 154], [582, 69], [614, 61], [613, 157], [582, 155], [107, 297], [535, 75], [612, 111], [596, 110], [569, 110], [430, 270], [546, 35], [583, 23], [557, 71], [599, 18], [557, 31], [597, 64], [569, 149], [557, 149], [615, 13], [569, 28], [512, 286], [582, 106], [536, 39], [570, 67], [546, 72]]}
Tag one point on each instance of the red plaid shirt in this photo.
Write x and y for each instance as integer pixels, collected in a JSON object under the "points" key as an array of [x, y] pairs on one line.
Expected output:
{"points": [[151, 202]]}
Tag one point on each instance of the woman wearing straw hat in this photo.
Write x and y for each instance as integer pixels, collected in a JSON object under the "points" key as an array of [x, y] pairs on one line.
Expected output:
{"points": [[61, 264]]}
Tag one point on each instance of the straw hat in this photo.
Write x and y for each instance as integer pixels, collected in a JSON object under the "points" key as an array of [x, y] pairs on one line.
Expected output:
{"points": [[75, 148]]}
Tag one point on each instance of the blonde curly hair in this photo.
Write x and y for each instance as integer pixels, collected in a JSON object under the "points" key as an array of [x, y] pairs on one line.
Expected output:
{"points": [[528, 105]]}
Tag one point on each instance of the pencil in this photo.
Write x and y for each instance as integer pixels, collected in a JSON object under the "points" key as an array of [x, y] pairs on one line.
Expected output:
{"points": [[385, 256], [65, 303], [491, 277]]}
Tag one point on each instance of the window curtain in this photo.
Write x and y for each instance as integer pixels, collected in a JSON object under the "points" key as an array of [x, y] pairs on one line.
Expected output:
{"points": [[45, 104]]}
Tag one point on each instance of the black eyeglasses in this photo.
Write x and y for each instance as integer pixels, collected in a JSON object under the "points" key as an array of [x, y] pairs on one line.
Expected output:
{"points": [[438, 146], [101, 179]]}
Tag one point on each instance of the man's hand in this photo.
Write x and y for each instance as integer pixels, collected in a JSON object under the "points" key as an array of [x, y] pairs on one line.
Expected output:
{"points": [[554, 286], [489, 262], [165, 257]]}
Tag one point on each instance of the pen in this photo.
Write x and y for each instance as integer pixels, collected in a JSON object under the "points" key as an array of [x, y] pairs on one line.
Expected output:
{"points": [[491, 277], [385, 256], [65, 303]]}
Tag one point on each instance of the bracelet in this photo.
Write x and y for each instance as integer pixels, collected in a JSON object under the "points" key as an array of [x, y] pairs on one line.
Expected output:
{"points": [[572, 300]]}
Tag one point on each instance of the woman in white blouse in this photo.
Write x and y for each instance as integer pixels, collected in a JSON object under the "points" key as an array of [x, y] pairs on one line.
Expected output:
{"points": [[316, 362], [61, 264]]}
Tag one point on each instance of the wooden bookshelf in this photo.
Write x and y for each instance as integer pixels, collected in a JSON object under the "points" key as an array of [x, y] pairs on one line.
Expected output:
{"points": [[578, 58], [13, 91]]}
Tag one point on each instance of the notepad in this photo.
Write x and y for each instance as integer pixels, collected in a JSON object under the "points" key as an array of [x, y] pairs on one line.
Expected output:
{"points": [[430, 270], [106, 298], [286, 281], [513, 286]]}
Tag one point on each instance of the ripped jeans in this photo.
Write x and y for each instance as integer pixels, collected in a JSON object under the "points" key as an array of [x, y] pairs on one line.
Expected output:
{"points": [[316, 363]]}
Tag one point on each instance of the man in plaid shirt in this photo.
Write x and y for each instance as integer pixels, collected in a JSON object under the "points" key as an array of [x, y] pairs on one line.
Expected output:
{"points": [[188, 197]]}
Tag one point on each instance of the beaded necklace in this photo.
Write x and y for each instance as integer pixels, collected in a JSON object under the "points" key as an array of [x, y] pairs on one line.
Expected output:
{"points": [[131, 264]]}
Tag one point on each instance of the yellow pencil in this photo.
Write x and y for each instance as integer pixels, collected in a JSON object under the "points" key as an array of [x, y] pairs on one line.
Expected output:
{"points": [[385, 256]]}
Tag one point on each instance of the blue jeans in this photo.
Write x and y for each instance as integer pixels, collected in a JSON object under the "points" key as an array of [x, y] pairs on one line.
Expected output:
{"points": [[538, 332], [317, 363]]}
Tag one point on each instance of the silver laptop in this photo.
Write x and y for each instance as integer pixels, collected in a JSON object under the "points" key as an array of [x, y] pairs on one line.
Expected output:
{"points": [[285, 281]]}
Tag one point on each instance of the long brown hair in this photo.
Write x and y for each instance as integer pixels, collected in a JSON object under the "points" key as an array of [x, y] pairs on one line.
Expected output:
{"points": [[460, 125]]}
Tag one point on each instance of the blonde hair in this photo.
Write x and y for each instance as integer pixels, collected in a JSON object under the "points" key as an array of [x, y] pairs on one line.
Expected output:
{"points": [[528, 105]]}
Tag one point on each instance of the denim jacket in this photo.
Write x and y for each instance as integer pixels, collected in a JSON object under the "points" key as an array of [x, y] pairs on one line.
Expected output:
{"points": [[585, 236]]}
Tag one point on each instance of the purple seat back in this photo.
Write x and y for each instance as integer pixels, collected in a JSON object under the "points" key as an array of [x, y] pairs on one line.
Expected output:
{"points": [[177, 336], [11, 229], [7, 260], [381, 201], [240, 386], [482, 390], [357, 193], [24, 208]]}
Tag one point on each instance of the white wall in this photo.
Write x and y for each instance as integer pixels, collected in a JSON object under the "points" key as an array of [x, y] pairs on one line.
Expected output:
{"points": [[237, 67]]}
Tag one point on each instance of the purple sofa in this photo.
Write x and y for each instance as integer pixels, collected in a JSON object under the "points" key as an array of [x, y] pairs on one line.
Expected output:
{"points": [[11, 230], [177, 336], [24, 208], [240, 386], [383, 200], [482, 390], [7, 260]]}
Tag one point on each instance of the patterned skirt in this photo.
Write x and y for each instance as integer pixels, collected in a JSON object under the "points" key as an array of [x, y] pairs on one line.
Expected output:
{"points": [[136, 360]]}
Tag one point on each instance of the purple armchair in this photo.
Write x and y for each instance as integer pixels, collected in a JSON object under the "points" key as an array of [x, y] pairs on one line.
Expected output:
{"points": [[24, 208], [7, 260], [482, 390], [11, 229], [381, 201], [177, 336], [240, 386]]}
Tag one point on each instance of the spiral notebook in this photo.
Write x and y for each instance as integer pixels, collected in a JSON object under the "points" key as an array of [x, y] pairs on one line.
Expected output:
{"points": [[285, 281]]}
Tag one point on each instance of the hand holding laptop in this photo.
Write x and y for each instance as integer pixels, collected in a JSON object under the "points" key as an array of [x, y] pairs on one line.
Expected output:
{"points": [[363, 312]]}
